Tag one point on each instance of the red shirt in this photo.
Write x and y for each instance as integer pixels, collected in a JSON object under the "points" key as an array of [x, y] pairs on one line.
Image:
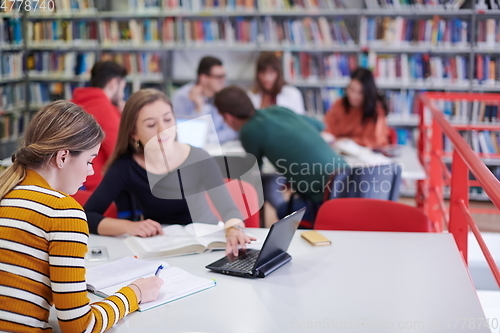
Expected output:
{"points": [[94, 101]]}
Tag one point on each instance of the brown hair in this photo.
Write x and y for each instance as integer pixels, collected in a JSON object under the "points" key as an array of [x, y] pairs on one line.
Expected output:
{"points": [[235, 101], [269, 60], [61, 125], [125, 143]]}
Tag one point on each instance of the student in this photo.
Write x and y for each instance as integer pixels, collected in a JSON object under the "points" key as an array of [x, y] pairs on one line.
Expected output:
{"points": [[270, 87], [44, 231], [149, 162], [196, 98], [101, 99], [361, 114], [291, 142]]}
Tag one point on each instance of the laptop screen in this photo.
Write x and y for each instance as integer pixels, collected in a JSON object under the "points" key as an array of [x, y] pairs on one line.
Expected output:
{"points": [[279, 237], [193, 132]]}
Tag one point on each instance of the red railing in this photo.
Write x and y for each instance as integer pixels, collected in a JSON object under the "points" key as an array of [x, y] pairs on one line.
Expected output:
{"points": [[430, 197]]}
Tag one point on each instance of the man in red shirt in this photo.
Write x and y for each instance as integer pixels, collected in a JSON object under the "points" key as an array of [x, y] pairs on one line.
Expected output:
{"points": [[104, 100]]}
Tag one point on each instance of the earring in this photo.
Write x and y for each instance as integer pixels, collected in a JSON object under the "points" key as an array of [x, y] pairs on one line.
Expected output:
{"points": [[60, 165], [137, 143]]}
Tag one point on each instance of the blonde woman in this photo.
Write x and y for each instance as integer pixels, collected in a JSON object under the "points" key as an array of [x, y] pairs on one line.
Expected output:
{"points": [[44, 232]]}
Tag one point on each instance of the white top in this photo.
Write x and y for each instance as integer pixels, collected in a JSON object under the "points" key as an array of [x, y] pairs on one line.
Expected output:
{"points": [[289, 97], [363, 282]]}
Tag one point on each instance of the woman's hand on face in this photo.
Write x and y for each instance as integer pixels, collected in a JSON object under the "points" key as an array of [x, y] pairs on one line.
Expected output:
{"points": [[236, 238], [145, 228]]}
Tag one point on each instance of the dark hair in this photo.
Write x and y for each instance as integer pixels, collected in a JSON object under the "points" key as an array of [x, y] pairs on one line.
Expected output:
{"points": [[206, 64], [371, 96], [269, 60], [235, 101], [104, 71], [60, 125], [124, 142]]}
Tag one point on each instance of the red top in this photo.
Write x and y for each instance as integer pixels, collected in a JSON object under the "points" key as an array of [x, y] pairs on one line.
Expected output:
{"points": [[94, 101], [349, 125]]}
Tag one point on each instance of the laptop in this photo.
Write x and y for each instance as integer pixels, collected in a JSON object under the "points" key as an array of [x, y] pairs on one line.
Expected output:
{"points": [[260, 263], [193, 131]]}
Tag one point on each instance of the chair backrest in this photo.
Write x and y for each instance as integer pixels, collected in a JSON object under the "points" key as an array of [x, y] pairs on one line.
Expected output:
{"points": [[82, 196], [374, 182], [370, 215], [247, 202]]}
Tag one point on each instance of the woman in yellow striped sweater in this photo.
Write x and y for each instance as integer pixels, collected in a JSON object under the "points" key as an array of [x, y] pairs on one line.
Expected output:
{"points": [[44, 232]]}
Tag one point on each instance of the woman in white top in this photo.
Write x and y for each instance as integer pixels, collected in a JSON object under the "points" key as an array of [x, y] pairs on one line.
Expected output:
{"points": [[270, 87]]}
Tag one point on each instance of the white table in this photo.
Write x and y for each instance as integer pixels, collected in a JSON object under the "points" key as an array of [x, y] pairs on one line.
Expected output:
{"points": [[383, 280]]}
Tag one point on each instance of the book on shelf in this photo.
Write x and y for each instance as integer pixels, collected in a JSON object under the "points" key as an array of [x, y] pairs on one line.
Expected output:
{"points": [[414, 4], [11, 65], [307, 31], [404, 32], [106, 279], [47, 64], [11, 31], [481, 142], [418, 68], [42, 93], [487, 70], [209, 6], [488, 33], [179, 240], [47, 8], [12, 96], [144, 64], [133, 32], [299, 5], [62, 33]]}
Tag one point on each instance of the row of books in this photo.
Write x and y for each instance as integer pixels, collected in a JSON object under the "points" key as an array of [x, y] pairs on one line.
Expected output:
{"points": [[78, 33], [299, 5], [70, 64], [194, 6], [42, 93], [49, 7], [307, 31], [464, 112], [313, 67], [488, 33], [485, 142], [414, 4], [11, 31], [487, 70], [134, 32], [399, 31], [12, 96], [11, 65]]}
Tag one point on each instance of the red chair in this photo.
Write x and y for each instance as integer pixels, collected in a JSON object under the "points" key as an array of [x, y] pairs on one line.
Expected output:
{"points": [[359, 214], [247, 203], [82, 196]]}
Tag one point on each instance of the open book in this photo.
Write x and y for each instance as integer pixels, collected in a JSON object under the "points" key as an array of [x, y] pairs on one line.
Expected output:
{"points": [[105, 280], [179, 240]]}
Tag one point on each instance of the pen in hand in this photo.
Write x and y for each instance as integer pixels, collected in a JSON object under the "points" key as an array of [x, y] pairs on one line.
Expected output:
{"points": [[159, 270]]}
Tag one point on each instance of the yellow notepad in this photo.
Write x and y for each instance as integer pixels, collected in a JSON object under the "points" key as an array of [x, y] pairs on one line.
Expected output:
{"points": [[315, 238]]}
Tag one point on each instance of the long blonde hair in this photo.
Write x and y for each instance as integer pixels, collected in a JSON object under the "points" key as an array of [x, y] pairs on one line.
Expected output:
{"points": [[60, 125], [125, 143]]}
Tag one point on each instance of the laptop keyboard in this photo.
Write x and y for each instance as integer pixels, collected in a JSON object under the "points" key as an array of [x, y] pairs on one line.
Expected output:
{"points": [[244, 264]]}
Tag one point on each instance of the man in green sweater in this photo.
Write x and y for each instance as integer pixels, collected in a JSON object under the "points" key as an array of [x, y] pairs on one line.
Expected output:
{"points": [[291, 142]]}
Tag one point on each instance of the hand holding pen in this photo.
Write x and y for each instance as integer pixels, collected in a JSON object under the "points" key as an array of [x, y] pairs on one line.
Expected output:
{"points": [[148, 289]]}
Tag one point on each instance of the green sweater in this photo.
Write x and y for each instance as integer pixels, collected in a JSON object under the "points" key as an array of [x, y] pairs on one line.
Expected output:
{"points": [[293, 144]]}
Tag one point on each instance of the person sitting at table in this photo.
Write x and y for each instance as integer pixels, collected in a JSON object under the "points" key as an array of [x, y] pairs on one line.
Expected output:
{"points": [[44, 231], [170, 179], [361, 114], [270, 87], [291, 142]]}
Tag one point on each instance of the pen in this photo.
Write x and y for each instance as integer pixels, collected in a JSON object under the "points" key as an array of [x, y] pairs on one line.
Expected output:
{"points": [[159, 270]]}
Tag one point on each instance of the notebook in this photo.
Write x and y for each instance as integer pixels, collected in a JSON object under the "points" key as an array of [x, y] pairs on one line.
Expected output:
{"points": [[105, 280], [179, 240]]}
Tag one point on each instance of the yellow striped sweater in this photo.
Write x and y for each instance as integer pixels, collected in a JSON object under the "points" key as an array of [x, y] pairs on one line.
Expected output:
{"points": [[43, 241]]}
